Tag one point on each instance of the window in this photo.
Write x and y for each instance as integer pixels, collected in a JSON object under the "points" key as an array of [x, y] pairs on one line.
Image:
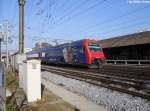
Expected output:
{"points": [[94, 47]]}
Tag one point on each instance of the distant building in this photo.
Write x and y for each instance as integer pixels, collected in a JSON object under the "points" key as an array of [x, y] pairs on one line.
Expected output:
{"points": [[41, 45], [27, 50], [134, 46]]}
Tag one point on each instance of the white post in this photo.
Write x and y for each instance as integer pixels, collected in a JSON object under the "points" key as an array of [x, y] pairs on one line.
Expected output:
{"points": [[32, 80], [21, 58], [139, 62]]}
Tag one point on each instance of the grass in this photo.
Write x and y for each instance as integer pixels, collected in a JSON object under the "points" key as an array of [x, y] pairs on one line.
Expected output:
{"points": [[49, 101], [12, 85], [11, 80]]}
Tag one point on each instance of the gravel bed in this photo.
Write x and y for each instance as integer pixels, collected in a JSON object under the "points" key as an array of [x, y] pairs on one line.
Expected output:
{"points": [[112, 100]]}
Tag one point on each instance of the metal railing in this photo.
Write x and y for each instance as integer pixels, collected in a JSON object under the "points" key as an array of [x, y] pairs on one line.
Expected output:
{"points": [[2, 87], [128, 61], [128, 58]]}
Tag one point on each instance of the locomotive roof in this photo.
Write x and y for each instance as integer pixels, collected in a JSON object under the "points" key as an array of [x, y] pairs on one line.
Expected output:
{"points": [[127, 40], [66, 44], [58, 46]]}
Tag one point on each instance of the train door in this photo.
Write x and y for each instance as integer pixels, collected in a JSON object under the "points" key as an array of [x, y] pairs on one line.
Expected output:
{"points": [[75, 55], [78, 55], [82, 55]]}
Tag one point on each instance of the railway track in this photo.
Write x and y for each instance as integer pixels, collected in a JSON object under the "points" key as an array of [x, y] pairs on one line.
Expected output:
{"points": [[136, 73], [123, 84]]}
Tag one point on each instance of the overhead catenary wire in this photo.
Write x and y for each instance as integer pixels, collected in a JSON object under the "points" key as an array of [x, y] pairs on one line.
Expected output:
{"points": [[126, 14], [84, 2], [127, 26], [122, 23], [80, 13], [68, 11], [116, 18], [46, 19], [73, 9], [30, 4], [43, 15], [90, 6], [129, 13]]}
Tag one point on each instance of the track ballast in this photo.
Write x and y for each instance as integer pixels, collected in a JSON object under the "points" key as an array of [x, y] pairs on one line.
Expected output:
{"points": [[119, 79]]}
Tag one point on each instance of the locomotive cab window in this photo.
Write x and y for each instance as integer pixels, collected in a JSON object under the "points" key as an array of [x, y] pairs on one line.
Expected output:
{"points": [[94, 47]]}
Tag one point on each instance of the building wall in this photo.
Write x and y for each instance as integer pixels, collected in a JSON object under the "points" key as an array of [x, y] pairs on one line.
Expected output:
{"points": [[138, 52]]}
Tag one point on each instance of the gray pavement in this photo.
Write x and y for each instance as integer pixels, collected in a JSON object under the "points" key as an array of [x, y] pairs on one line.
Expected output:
{"points": [[79, 102]]}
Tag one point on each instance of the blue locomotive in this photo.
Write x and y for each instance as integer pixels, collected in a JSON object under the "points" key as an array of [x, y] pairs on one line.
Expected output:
{"points": [[82, 52]]}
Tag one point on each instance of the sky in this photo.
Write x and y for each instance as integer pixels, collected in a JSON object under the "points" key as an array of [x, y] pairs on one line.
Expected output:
{"points": [[66, 20]]}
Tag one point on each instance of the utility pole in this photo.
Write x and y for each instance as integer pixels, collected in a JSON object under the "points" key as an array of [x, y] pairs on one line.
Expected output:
{"points": [[0, 50], [6, 35], [1, 25], [21, 25]]}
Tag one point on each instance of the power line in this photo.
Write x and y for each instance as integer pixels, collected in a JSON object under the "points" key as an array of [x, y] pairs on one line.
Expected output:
{"points": [[116, 18], [47, 16], [80, 13], [126, 22], [97, 3], [69, 10], [43, 13], [14, 14], [45, 19], [6, 30], [124, 27], [63, 9], [86, 12], [77, 7], [39, 2], [30, 3]]}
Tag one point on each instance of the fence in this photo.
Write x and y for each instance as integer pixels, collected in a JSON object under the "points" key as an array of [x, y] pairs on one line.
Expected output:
{"points": [[2, 87], [128, 61]]}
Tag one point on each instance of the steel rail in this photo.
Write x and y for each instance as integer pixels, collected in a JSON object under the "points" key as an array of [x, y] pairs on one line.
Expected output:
{"points": [[124, 74], [104, 79], [130, 71], [132, 68], [97, 81], [126, 79]]}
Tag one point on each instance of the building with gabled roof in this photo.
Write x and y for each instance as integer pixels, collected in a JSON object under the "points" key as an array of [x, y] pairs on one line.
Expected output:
{"points": [[131, 46]]}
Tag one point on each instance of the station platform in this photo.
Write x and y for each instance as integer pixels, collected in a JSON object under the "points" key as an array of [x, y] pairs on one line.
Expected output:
{"points": [[78, 101]]}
